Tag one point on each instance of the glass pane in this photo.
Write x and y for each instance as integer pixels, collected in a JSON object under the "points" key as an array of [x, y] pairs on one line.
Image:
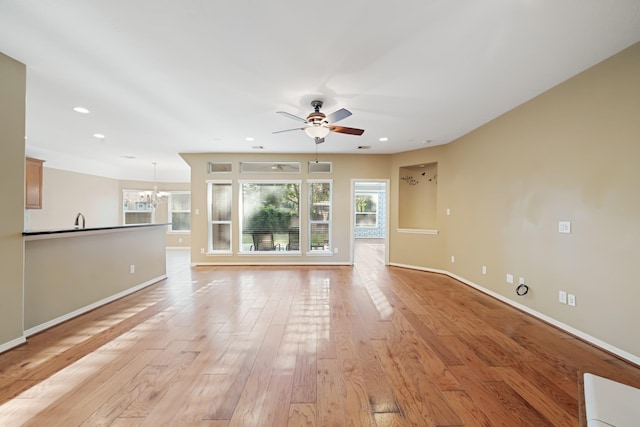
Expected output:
{"points": [[181, 221], [137, 218], [365, 219], [221, 237], [320, 203], [319, 236], [269, 212], [366, 202], [221, 202], [180, 202]]}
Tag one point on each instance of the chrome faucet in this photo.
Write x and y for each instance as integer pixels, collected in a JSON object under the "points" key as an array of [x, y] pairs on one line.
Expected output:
{"points": [[77, 223]]}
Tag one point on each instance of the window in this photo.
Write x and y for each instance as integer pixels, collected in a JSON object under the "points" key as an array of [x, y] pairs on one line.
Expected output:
{"points": [[180, 211], [219, 213], [320, 215], [270, 216], [366, 209], [137, 207]]}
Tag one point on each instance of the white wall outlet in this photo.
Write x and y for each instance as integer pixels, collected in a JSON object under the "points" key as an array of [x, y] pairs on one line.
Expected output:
{"points": [[201, 250], [562, 297], [510, 278], [179, 239], [335, 250], [453, 259], [571, 299], [132, 269], [521, 281], [564, 227], [448, 211], [197, 211], [484, 270]]}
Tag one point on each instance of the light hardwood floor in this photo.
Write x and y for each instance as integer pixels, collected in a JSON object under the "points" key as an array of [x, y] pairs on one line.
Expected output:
{"points": [[367, 345]]}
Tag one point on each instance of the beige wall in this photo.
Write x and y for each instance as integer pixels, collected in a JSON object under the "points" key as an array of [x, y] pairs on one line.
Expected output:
{"points": [[403, 246], [569, 154], [345, 168], [65, 193], [12, 132]]}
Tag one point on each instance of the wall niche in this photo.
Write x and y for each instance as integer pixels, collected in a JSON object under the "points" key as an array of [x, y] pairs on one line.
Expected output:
{"points": [[418, 196]]}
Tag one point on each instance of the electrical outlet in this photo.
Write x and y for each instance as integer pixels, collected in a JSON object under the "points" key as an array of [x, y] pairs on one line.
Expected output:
{"points": [[571, 299], [510, 278], [335, 250], [484, 270], [132, 269], [197, 211], [521, 281], [201, 250], [562, 297], [564, 227], [453, 259], [448, 211]]}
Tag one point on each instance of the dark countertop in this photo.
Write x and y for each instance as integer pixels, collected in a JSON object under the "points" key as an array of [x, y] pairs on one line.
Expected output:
{"points": [[80, 230]]}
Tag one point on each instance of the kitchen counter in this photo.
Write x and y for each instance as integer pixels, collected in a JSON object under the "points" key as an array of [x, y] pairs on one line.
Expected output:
{"points": [[71, 271], [32, 234]]}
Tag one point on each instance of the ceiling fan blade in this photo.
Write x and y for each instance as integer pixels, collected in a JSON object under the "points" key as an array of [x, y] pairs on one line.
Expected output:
{"points": [[350, 131], [287, 130], [319, 140], [342, 113], [291, 116]]}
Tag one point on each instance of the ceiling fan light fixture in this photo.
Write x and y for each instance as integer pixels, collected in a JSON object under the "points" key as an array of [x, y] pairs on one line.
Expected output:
{"points": [[317, 131]]}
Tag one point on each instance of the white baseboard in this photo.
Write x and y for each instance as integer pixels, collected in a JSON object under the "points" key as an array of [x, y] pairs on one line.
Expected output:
{"points": [[58, 320], [569, 329], [275, 264], [13, 343]]}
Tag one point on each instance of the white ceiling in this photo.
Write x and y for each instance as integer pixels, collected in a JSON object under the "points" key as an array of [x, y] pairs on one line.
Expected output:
{"points": [[167, 76]]}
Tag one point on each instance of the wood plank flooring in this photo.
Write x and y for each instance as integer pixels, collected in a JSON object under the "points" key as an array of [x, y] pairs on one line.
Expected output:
{"points": [[367, 345]]}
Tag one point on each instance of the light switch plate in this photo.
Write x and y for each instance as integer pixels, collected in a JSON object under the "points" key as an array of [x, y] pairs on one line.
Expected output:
{"points": [[571, 299], [562, 297], [510, 278]]}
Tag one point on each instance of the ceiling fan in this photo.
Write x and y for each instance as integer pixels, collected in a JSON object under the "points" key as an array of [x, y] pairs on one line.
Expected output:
{"points": [[319, 125]]}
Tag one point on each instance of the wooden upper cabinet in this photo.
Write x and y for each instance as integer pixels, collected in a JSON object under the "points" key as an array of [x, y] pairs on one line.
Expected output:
{"points": [[33, 182]]}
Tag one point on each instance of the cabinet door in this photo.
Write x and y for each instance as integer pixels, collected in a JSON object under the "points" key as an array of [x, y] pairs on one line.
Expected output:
{"points": [[33, 183]]}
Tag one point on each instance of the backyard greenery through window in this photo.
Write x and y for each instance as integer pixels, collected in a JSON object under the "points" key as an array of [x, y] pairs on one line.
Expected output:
{"points": [[270, 213], [320, 215]]}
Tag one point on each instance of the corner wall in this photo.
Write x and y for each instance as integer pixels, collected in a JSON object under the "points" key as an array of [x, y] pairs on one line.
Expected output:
{"points": [[12, 132], [570, 154]]}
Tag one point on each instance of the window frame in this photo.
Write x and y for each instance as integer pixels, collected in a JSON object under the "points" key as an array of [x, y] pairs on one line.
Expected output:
{"points": [[210, 223], [374, 195], [170, 211], [125, 208], [327, 249], [241, 183]]}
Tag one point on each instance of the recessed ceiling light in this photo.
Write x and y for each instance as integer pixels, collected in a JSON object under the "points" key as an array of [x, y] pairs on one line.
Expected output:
{"points": [[249, 138], [81, 110], [383, 139], [98, 135]]}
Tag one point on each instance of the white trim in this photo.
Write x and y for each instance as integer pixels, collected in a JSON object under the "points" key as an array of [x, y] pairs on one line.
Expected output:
{"points": [[324, 264], [416, 231], [82, 310], [13, 343], [569, 329]]}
